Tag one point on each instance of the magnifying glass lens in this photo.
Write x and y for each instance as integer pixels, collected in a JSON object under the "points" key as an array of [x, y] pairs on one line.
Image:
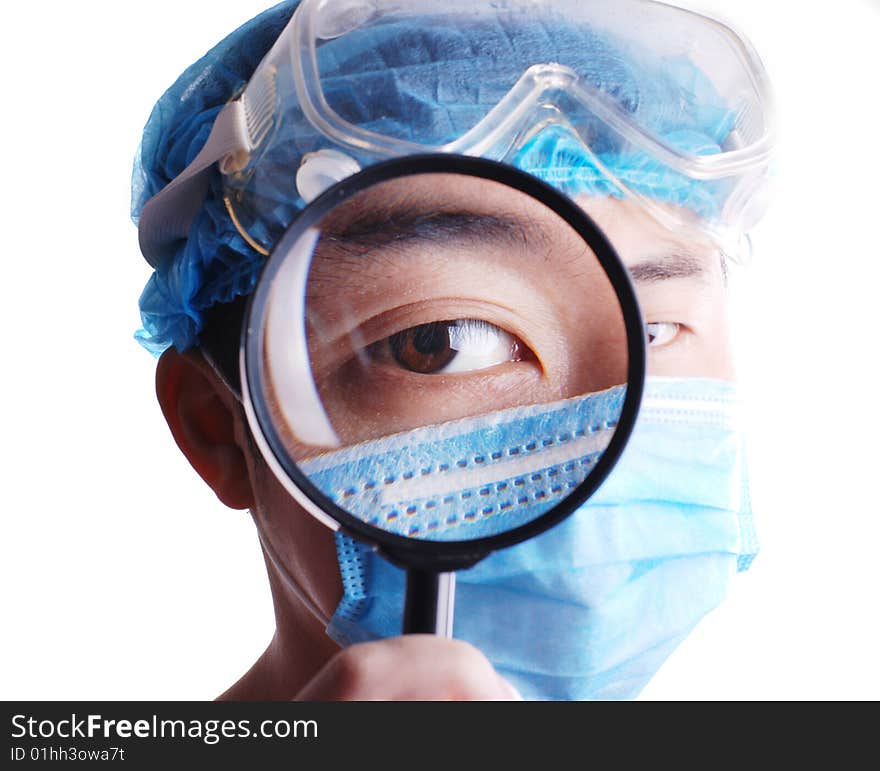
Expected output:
{"points": [[442, 356]]}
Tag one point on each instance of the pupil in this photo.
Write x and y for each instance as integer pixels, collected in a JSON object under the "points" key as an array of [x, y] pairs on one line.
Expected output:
{"points": [[430, 339]]}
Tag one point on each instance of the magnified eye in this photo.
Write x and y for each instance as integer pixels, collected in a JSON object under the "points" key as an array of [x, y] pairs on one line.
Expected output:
{"points": [[463, 345], [662, 332]]}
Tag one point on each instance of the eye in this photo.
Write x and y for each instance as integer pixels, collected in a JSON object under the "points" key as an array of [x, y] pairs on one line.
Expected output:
{"points": [[445, 347], [662, 332]]}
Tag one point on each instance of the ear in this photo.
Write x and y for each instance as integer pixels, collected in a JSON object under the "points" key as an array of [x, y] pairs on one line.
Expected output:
{"points": [[206, 424]]}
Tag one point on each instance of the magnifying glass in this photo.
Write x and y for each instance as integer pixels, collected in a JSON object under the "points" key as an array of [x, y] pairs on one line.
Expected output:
{"points": [[443, 357]]}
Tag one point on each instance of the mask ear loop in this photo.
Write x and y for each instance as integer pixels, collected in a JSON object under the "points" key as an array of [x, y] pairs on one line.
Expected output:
{"points": [[287, 577], [251, 241]]}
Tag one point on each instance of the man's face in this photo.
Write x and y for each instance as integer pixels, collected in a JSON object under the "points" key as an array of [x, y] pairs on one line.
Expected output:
{"points": [[434, 299], [439, 296]]}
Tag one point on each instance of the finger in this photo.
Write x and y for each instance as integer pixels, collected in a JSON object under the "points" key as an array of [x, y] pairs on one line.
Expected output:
{"points": [[413, 667]]}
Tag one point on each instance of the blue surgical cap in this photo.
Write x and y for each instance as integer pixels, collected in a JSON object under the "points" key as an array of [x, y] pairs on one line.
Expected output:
{"points": [[432, 104]]}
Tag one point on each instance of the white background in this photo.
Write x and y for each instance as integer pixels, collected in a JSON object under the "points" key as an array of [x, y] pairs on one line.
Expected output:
{"points": [[122, 576]]}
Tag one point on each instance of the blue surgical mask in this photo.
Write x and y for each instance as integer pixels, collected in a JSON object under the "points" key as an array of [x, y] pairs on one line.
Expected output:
{"points": [[591, 608], [474, 477]]}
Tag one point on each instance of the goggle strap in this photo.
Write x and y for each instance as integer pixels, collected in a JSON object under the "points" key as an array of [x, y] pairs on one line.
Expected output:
{"points": [[167, 217]]}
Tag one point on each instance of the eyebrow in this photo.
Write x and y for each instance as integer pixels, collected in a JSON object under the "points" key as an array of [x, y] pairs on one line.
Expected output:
{"points": [[677, 264], [379, 228]]}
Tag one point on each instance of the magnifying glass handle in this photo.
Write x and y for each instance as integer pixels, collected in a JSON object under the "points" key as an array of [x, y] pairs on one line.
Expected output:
{"points": [[430, 600]]}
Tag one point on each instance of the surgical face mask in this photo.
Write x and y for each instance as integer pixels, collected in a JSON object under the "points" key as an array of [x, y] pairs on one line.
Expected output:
{"points": [[486, 475], [592, 608]]}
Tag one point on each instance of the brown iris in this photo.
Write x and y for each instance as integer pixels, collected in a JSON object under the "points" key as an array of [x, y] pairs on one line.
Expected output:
{"points": [[425, 349]]}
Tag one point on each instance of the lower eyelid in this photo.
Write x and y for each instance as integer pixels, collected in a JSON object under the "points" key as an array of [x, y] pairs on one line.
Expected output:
{"points": [[388, 377]]}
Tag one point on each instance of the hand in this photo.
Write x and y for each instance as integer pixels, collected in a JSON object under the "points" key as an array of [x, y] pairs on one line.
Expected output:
{"points": [[409, 668]]}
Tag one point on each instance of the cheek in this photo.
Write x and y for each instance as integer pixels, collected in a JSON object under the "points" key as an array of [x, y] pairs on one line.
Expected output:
{"points": [[696, 354]]}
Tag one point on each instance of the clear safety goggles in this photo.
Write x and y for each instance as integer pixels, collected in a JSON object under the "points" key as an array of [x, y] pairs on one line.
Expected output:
{"points": [[674, 107]]}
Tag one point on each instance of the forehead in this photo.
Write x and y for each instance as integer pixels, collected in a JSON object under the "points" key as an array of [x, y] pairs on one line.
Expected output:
{"points": [[435, 193], [434, 206], [636, 233], [444, 219]]}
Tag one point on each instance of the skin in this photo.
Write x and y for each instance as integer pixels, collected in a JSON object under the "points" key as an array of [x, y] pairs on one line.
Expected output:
{"points": [[548, 296], [680, 282]]}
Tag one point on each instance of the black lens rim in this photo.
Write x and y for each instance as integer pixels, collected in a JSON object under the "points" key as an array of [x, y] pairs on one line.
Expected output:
{"points": [[449, 555]]}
